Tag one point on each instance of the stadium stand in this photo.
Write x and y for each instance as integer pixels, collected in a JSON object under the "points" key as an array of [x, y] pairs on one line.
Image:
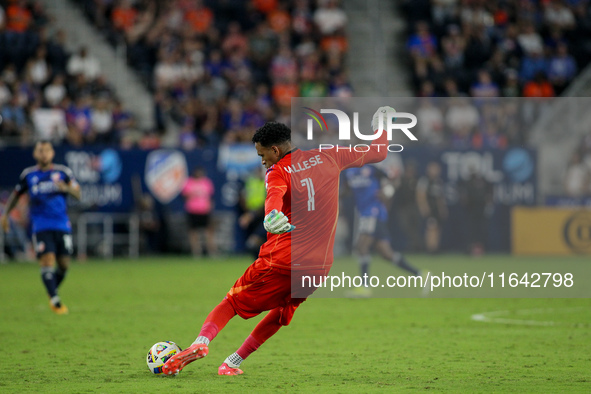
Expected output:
{"points": [[218, 69], [515, 48], [479, 49], [47, 92]]}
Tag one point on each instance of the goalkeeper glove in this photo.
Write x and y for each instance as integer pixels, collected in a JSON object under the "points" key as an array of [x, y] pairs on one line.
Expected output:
{"points": [[382, 113], [277, 223]]}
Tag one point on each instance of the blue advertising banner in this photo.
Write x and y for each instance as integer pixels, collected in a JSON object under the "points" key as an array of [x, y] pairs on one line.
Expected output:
{"points": [[107, 176], [110, 179], [512, 176], [104, 176], [512, 172]]}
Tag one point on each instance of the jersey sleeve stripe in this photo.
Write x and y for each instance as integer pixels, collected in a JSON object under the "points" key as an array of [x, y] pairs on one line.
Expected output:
{"points": [[65, 169], [27, 171]]}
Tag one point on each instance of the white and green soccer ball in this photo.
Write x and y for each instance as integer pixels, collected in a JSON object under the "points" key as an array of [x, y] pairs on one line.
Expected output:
{"points": [[159, 354]]}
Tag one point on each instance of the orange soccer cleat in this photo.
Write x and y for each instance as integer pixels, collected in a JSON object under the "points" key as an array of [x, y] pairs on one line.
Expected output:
{"points": [[59, 310], [224, 369], [177, 362]]}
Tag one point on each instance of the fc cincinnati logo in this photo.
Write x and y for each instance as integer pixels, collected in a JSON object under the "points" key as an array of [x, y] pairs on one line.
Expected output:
{"points": [[55, 176]]}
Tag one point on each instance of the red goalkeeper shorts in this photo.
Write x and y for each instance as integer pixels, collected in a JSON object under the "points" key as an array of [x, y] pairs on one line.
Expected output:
{"points": [[263, 287]]}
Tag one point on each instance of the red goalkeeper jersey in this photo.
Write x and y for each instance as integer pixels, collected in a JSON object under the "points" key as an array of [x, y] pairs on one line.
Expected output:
{"points": [[304, 185]]}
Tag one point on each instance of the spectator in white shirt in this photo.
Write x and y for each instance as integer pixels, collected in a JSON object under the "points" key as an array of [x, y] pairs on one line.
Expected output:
{"points": [[38, 70], [83, 63], [55, 92], [167, 71], [558, 15], [530, 41], [2, 18], [101, 122], [5, 94], [330, 18]]}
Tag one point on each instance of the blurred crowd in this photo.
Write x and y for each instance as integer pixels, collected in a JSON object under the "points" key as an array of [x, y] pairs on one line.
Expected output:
{"points": [[47, 92], [507, 48], [484, 49], [218, 69]]}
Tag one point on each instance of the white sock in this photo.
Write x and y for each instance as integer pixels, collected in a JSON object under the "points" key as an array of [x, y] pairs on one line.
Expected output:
{"points": [[55, 300], [202, 339], [234, 360]]}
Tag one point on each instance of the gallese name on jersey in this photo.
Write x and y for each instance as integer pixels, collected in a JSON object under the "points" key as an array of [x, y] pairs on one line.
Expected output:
{"points": [[304, 165]]}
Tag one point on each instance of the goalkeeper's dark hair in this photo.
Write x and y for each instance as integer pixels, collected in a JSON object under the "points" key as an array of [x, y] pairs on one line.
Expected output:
{"points": [[272, 133]]}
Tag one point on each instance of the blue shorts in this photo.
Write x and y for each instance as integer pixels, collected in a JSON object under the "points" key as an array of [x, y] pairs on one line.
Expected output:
{"points": [[58, 242], [374, 227]]}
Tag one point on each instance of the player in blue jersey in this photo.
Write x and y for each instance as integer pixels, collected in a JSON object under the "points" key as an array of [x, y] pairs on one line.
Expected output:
{"points": [[366, 185], [48, 186]]}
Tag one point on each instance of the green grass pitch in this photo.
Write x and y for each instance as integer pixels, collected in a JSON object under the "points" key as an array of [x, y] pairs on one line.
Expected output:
{"points": [[119, 308]]}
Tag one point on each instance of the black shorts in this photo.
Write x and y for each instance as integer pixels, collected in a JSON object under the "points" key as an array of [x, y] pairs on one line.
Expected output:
{"points": [[58, 242], [372, 226], [198, 221], [256, 227]]}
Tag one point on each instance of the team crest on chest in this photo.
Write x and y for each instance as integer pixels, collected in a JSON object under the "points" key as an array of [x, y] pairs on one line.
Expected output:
{"points": [[55, 176]]}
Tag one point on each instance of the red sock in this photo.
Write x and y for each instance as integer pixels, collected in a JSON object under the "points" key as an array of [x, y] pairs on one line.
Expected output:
{"points": [[263, 331], [217, 320]]}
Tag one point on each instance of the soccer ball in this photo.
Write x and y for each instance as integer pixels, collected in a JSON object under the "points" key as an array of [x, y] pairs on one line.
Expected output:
{"points": [[159, 354]]}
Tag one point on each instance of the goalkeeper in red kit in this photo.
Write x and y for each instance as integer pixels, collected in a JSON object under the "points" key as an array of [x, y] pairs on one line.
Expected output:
{"points": [[303, 186]]}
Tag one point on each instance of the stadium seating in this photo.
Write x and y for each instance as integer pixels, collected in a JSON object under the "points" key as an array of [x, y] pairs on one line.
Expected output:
{"points": [[449, 39], [505, 48], [47, 92], [220, 69]]}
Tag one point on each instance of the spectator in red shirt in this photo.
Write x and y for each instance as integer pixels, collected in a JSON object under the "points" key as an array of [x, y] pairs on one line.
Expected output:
{"points": [[279, 20], [539, 87], [265, 6], [124, 16], [18, 17], [235, 41], [199, 17]]}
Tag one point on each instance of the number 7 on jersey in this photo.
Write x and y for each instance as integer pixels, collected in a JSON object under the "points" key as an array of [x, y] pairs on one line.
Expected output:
{"points": [[307, 182]]}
